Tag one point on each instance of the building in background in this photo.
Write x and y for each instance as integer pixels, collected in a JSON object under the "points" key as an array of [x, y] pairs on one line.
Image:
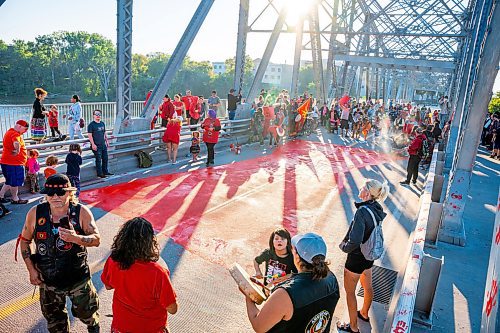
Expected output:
{"points": [[276, 75], [219, 67]]}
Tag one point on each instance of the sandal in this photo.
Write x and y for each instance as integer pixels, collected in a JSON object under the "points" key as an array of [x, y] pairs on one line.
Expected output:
{"points": [[345, 328], [366, 320], [19, 202]]}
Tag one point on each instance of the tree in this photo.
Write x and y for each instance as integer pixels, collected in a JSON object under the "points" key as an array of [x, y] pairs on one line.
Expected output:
{"points": [[494, 105]]}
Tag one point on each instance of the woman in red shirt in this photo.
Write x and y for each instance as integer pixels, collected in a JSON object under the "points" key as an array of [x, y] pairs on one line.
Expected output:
{"points": [[179, 106], [211, 127], [172, 137], [143, 291]]}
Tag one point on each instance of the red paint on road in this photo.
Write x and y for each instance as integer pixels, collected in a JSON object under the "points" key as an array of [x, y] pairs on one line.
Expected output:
{"points": [[176, 203]]}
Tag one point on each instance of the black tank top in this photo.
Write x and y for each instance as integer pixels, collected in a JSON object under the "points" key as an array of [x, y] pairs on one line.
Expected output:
{"points": [[61, 264], [314, 302]]}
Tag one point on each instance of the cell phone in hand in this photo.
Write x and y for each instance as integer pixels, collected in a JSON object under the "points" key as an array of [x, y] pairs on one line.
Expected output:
{"points": [[64, 222]]}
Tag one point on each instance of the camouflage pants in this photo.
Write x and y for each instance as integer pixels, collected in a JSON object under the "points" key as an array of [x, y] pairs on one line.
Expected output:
{"points": [[85, 304]]}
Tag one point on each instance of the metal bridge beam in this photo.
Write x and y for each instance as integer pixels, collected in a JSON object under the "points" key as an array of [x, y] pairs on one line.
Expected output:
{"points": [[239, 69], [259, 74], [398, 63], [175, 61], [476, 104], [123, 62], [294, 89]]}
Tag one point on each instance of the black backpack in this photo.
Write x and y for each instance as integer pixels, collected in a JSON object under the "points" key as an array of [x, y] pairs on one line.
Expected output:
{"points": [[425, 150], [145, 160]]}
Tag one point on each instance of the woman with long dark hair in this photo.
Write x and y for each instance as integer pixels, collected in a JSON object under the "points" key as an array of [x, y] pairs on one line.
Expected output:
{"points": [[38, 128], [143, 291], [306, 301]]}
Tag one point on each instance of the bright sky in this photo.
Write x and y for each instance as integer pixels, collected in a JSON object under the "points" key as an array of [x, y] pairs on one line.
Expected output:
{"points": [[157, 25]]}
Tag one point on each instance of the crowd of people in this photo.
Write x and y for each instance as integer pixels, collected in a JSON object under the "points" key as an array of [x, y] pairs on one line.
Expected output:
{"points": [[302, 291]]}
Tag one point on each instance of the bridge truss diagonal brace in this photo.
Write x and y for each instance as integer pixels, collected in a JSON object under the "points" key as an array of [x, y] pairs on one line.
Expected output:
{"points": [[175, 61], [259, 74], [239, 69]]}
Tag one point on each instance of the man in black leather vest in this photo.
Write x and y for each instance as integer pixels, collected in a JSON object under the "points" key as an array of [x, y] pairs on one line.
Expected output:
{"points": [[61, 229]]}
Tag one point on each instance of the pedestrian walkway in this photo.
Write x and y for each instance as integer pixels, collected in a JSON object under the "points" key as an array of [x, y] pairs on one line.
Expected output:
{"points": [[459, 297], [207, 219]]}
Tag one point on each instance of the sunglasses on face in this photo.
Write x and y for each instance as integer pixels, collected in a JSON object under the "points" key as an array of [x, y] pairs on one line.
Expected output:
{"points": [[59, 192], [97, 114]]}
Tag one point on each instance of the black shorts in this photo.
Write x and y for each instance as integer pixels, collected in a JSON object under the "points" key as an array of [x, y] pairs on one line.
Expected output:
{"points": [[344, 124], [357, 263]]}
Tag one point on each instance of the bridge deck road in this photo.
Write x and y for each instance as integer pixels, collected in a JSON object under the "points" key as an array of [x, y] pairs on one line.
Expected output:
{"points": [[209, 218]]}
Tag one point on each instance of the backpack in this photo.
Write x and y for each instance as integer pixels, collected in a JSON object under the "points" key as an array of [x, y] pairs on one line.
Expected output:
{"points": [[425, 150], [373, 248], [145, 160]]}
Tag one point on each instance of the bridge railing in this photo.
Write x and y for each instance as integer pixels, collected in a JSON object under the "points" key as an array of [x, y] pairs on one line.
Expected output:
{"points": [[414, 302], [9, 114], [127, 144]]}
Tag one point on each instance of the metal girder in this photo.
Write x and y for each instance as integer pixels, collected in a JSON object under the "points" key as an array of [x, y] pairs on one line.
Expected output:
{"points": [[317, 54], [239, 69], [177, 57], [296, 58], [357, 33], [259, 74], [123, 62], [330, 70], [1, 2], [477, 100], [397, 63]]}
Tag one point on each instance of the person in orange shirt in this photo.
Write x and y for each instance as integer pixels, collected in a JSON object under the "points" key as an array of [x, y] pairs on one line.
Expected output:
{"points": [[51, 163], [14, 158]]}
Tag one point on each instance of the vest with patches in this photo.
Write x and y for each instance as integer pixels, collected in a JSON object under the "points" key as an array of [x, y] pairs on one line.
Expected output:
{"points": [[62, 264], [314, 302]]}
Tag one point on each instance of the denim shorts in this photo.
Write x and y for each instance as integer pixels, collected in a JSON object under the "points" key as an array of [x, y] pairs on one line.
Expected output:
{"points": [[14, 174]]}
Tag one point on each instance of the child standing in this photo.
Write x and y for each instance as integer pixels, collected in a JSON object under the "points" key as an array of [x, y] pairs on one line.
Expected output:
{"points": [[51, 163], [278, 258], [195, 145], [33, 168], [73, 162], [54, 121]]}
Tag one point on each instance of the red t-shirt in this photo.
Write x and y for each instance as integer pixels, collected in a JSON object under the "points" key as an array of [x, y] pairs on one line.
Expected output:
{"points": [[190, 102], [179, 105], [142, 294], [53, 121], [172, 132], [167, 110], [210, 135], [8, 158]]}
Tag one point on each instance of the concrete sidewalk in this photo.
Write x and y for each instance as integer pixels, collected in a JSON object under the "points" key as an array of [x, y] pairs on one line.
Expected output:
{"points": [[459, 298]]}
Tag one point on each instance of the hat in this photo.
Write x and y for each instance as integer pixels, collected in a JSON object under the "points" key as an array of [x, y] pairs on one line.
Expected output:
{"points": [[23, 123], [212, 113], [309, 245], [418, 130], [57, 181]]}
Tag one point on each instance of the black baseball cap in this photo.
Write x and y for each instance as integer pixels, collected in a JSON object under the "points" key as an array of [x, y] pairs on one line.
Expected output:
{"points": [[57, 182]]}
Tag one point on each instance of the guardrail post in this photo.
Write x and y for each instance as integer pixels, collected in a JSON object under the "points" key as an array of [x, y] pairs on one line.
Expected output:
{"points": [[490, 322], [427, 285]]}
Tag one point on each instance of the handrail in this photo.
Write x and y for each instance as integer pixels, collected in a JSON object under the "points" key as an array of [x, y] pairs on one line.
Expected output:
{"points": [[403, 313], [237, 127]]}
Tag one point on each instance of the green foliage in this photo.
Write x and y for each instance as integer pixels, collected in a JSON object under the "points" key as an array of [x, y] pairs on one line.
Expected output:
{"points": [[66, 63], [494, 105]]}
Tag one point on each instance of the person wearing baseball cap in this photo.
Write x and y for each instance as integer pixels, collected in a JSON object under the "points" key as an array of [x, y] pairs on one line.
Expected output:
{"points": [[61, 229], [306, 301], [415, 150], [13, 160]]}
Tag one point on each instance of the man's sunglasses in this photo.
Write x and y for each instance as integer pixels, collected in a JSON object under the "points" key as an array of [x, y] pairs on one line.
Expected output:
{"points": [[60, 192]]}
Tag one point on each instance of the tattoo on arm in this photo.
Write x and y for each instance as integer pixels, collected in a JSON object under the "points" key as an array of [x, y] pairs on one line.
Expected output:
{"points": [[87, 240], [26, 253]]}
